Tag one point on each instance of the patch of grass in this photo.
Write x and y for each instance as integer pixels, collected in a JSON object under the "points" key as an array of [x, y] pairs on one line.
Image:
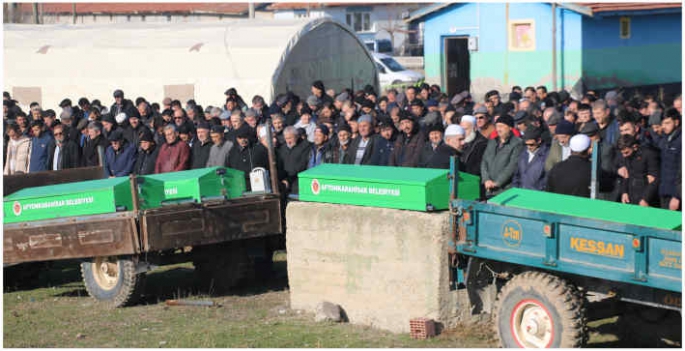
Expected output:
{"points": [[60, 314]]}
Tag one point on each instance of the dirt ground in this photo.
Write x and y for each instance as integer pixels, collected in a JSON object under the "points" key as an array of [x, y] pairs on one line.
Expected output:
{"points": [[57, 312]]}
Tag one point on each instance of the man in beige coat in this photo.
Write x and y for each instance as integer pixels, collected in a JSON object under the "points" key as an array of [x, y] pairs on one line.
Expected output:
{"points": [[18, 149]]}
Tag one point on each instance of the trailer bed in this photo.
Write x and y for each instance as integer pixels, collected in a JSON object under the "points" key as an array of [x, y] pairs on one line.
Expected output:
{"points": [[620, 252]]}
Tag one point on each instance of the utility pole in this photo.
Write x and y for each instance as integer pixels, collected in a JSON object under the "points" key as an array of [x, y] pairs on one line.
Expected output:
{"points": [[10, 12], [73, 12], [35, 13], [250, 10], [554, 46]]}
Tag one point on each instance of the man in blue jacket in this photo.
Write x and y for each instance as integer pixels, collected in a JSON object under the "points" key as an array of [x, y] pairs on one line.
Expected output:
{"points": [[530, 173], [38, 159], [670, 144], [120, 156]]}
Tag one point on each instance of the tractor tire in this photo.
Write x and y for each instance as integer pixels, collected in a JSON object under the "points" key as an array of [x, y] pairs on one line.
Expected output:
{"points": [[112, 281], [221, 267], [536, 309]]}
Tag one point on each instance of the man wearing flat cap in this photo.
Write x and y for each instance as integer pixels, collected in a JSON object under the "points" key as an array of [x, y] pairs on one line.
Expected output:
{"points": [[559, 150], [484, 121], [147, 155], [201, 147], [71, 110], [363, 148], [120, 104], [243, 156], [500, 158], [435, 139], [409, 143], [417, 109], [572, 176], [120, 157], [530, 173], [218, 153], [134, 126], [453, 145]]}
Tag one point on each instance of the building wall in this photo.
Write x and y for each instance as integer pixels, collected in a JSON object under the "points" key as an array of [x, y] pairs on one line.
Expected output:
{"points": [[493, 66], [652, 54], [100, 18], [381, 17]]}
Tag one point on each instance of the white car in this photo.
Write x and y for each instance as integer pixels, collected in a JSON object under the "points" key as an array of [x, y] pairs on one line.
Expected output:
{"points": [[390, 72]]}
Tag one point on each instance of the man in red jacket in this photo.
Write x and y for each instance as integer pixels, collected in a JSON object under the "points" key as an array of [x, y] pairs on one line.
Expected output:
{"points": [[174, 155]]}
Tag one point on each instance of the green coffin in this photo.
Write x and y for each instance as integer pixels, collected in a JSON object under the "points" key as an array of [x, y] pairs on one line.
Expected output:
{"points": [[193, 185], [589, 208], [68, 200], [419, 189]]}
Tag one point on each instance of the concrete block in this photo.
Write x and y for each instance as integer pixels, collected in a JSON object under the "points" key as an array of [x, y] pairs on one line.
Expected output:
{"points": [[382, 266]]}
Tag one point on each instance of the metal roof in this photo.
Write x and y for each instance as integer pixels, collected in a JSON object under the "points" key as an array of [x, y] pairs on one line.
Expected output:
{"points": [[235, 8], [598, 7], [584, 8]]}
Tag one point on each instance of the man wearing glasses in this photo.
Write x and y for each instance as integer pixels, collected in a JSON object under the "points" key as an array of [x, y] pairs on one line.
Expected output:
{"points": [[530, 173], [483, 122], [63, 153]]}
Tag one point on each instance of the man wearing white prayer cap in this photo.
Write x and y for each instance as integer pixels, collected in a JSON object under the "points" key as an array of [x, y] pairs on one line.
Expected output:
{"points": [[474, 145], [572, 176], [453, 146]]}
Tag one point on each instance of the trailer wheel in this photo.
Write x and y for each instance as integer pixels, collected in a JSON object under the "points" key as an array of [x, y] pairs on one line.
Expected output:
{"points": [[539, 310], [112, 280]]}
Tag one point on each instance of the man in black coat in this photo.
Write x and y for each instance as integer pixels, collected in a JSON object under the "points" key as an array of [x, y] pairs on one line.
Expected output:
{"points": [[363, 148], [94, 147], [641, 186], [430, 148], [293, 159], [244, 156], [453, 146], [147, 156], [474, 146], [201, 147], [134, 127], [319, 91], [62, 152], [573, 176], [120, 104]]}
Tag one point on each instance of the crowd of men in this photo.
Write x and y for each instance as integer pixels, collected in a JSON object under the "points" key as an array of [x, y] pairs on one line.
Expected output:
{"points": [[536, 140]]}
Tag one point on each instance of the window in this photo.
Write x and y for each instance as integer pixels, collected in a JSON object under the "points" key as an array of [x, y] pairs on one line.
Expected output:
{"points": [[625, 27], [359, 21], [521, 35], [301, 14], [392, 65]]}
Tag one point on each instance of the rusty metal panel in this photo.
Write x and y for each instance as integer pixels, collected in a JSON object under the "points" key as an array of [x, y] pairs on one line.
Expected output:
{"points": [[201, 224], [17, 182], [172, 227], [243, 218], [68, 238]]}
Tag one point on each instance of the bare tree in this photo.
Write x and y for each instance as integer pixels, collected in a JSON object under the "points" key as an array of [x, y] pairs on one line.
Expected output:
{"points": [[395, 24]]}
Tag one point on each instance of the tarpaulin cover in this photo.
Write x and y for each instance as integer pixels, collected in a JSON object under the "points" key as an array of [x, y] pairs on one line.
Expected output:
{"points": [[256, 56], [589, 208]]}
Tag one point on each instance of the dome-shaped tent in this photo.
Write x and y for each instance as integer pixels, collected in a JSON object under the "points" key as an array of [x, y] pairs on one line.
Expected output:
{"points": [[199, 60]]}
